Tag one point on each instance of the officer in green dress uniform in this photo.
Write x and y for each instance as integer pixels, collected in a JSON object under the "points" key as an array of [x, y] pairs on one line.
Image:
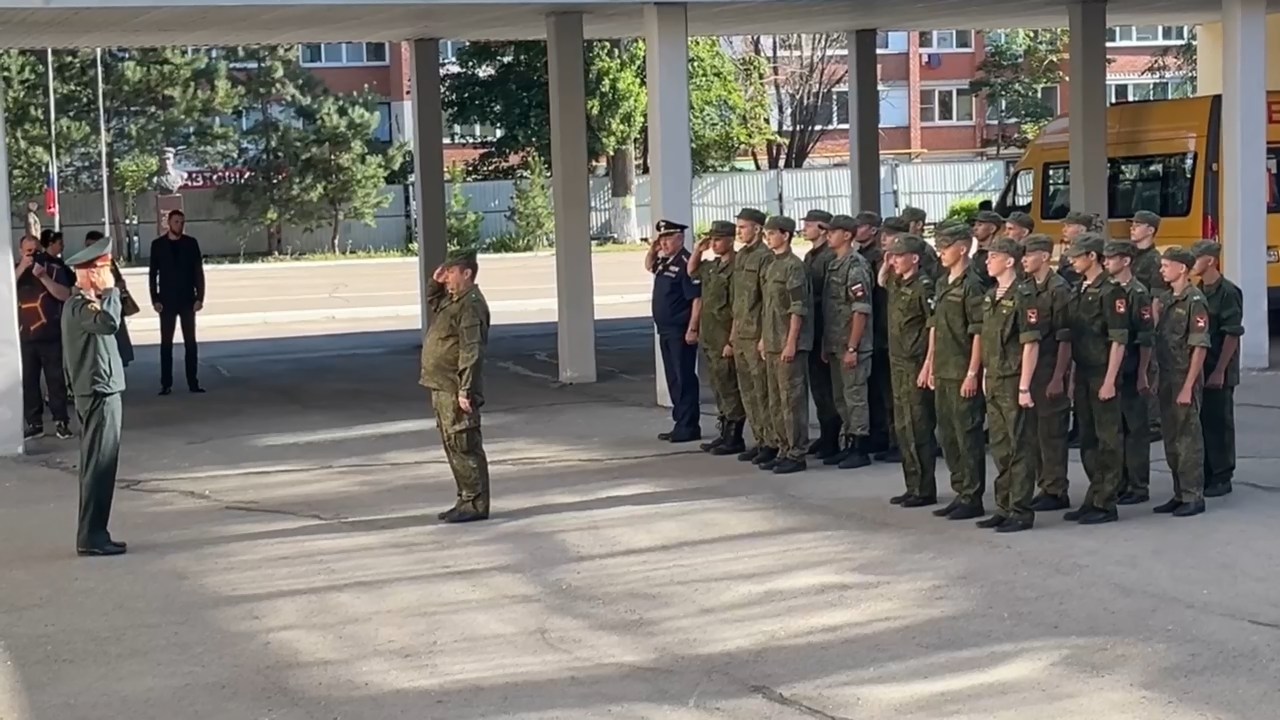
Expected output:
{"points": [[453, 370], [816, 225], [910, 306], [1100, 329], [1222, 368], [1134, 390], [95, 377], [1051, 301], [1011, 332], [955, 365], [715, 323], [1182, 343], [786, 339]]}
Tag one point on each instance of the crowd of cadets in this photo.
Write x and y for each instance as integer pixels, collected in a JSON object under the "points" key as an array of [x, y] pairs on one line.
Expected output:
{"points": [[984, 345]]}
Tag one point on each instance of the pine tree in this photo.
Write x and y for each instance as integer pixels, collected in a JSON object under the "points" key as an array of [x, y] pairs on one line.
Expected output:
{"points": [[531, 217], [462, 224]]}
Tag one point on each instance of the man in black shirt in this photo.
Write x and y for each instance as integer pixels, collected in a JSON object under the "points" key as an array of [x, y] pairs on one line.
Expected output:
{"points": [[177, 293], [44, 284]]}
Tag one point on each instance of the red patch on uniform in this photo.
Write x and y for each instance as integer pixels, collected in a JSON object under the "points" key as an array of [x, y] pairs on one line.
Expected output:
{"points": [[1146, 313], [1032, 316], [1202, 322], [1120, 305]]}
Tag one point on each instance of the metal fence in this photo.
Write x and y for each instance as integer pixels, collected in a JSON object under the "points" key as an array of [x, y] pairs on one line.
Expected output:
{"points": [[933, 186]]}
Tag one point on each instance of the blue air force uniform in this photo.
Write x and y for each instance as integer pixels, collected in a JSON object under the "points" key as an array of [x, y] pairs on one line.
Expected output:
{"points": [[673, 295]]}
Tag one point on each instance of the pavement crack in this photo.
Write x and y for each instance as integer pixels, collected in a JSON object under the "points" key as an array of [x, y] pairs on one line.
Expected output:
{"points": [[777, 698], [204, 497], [1263, 623], [1257, 486]]}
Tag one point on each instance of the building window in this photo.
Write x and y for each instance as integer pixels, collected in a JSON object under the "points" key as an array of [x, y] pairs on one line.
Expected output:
{"points": [[946, 105], [1148, 34], [1136, 90], [382, 133], [1048, 98], [339, 54], [941, 40], [1162, 184], [449, 50], [891, 41], [479, 132]]}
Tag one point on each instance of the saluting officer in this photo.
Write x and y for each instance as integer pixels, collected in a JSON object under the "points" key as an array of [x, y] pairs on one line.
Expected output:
{"points": [[716, 322], [846, 345], [816, 226], [955, 367], [1100, 329], [1222, 366], [95, 377], [785, 343], [676, 308], [1134, 391], [1051, 302], [748, 277], [1182, 342], [910, 307], [1011, 332]]}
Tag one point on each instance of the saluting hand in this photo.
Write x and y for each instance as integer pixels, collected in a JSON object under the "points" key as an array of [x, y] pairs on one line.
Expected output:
{"points": [[438, 275]]}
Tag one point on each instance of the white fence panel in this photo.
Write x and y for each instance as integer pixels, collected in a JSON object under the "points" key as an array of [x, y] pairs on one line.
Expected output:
{"points": [[935, 186]]}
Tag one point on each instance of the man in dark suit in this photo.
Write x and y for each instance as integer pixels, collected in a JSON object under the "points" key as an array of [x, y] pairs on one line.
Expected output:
{"points": [[177, 294]]}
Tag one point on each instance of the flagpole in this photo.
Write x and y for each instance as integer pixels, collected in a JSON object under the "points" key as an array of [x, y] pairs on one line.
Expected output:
{"points": [[102, 148], [53, 145]]}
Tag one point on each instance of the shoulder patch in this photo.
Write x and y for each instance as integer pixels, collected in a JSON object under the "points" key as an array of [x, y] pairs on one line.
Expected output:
{"points": [[857, 291], [1033, 316], [1121, 305], [1201, 321]]}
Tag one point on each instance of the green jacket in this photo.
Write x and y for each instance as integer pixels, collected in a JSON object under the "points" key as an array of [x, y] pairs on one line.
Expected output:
{"points": [[1184, 326], [846, 291], [716, 321], [1146, 267], [1141, 327], [90, 352], [748, 283], [1051, 302], [786, 293], [1008, 323], [873, 258], [1099, 317], [1226, 317], [909, 308], [816, 262], [957, 318], [453, 354]]}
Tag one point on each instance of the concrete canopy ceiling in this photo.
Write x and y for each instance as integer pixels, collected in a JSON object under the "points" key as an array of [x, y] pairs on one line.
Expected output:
{"points": [[139, 23]]}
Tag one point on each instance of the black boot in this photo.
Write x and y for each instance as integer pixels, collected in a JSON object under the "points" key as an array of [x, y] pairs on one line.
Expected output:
{"points": [[733, 443], [828, 442], [722, 426], [857, 457], [843, 453]]}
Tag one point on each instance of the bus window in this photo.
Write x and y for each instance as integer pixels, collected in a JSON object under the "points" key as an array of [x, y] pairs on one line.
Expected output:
{"points": [[1056, 201], [1273, 175], [1017, 194], [1162, 184]]}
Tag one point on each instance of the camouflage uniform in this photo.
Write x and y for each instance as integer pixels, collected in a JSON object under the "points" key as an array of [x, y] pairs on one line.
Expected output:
{"points": [[1184, 326], [1010, 320], [714, 326], [1135, 481], [1146, 267], [824, 402], [453, 364], [880, 396], [1099, 318], [1217, 408], [909, 308], [847, 290], [957, 319], [1051, 301], [748, 280], [786, 293]]}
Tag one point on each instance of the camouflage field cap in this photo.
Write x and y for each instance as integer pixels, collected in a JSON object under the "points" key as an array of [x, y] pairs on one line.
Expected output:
{"points": [[866, 217], [780, 222], [1181, 255], [950, 233], [1007, 246], [1146, 217], [913, 214], [1086, 243], [819, 216], [896, 224], [844, 222], [908, 244], [722, 229], [1075, 217], [751, 215], [990, 217], [1037, 243], [1123, 248], [1206, 248], [1021, 219]]}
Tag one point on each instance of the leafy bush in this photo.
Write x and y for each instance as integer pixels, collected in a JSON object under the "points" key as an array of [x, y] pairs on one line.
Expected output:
{"points": [[462, 224], [532, 219], [964, 210]]}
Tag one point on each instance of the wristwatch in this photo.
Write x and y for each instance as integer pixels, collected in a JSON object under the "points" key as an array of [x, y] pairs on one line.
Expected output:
{"points": [[851, 349]]}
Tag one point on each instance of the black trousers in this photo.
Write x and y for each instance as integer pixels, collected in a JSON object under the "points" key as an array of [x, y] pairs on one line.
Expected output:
{"points": [[680, 361], [43, 357], [880, 401], [168, 322], [100, 417]]}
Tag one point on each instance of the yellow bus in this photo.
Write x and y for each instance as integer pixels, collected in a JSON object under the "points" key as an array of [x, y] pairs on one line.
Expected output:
{"points": [[1162, 156]]}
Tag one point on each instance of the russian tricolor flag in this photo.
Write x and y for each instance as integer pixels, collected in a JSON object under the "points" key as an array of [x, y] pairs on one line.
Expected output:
{"points": [[51, 192]]}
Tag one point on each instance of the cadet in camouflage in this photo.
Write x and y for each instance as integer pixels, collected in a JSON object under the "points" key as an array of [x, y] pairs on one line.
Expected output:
{"points": [[1182, 343], [785, 341], [1222, 368], [715, 324], [847, 343], [1146, 267], [883, 441], [1135, 482], [1051, 301], [910, 307], [748, 267]]}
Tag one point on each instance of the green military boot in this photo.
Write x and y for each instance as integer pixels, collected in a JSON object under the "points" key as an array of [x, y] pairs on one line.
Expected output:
{"points": [[733, 442], [722, 425]]}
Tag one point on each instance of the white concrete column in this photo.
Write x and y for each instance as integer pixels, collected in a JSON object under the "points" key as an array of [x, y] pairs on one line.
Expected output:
{"points": [[571, 196], [864, 120], [1088, 105], [428, 163], [666, 37], [1244, 167], [10, 351]]}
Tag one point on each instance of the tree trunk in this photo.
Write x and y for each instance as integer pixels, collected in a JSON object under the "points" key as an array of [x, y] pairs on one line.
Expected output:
{"points": [[335, 239], [622, 195]]}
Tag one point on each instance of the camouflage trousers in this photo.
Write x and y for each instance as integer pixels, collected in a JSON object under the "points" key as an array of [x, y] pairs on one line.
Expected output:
{"points": [[960, 422], [1218, 418], [1053, 419], [1183, 437], [914, 424], [1135, 422], [1101, 439], [826, 402], [723, 377], [753, 388], [789, 403], [849, 388], [1013, 448], [464, 448]]}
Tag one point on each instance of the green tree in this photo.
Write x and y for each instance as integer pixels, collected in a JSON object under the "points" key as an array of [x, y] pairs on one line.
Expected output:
{"points": [[726, 114], [26, 104], [803, 72], [271, 81], [341, 175], [462, 224], [616, 114], [532, 220], [1017, 66]]}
